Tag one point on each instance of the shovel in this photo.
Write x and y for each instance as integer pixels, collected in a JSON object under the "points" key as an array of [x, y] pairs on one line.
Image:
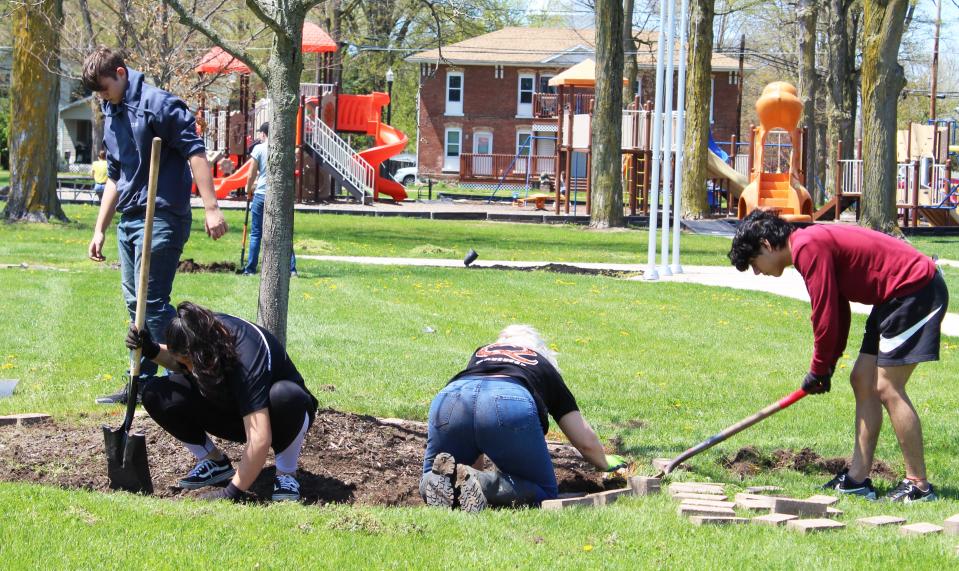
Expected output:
{"points": [[127, 465], [734, 429]]}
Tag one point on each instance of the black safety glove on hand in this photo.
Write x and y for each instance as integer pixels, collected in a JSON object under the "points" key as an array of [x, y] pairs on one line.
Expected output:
{"points": [[230, 492], [815, 384], [142, 340]]}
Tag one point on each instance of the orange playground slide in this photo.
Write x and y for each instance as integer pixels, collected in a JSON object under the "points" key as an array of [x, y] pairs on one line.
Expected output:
{"points": [[223, 186], [361, 113]]}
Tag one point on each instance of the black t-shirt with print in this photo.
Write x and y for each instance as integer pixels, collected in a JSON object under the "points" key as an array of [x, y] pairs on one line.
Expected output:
{"points": [[531, 369], [262, 362]]}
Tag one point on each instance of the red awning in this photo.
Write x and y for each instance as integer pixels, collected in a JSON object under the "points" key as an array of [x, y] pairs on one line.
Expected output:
{"points": [[316, 40], [218, 61]]}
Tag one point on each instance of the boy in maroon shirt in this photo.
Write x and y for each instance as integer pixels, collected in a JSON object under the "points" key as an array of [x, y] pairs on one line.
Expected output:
{"points": [[842, 264]]}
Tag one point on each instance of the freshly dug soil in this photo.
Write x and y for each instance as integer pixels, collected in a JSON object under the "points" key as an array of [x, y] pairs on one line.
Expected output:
{"points": [[188, 266], [347, 458], [750, 461], [566, 269]]}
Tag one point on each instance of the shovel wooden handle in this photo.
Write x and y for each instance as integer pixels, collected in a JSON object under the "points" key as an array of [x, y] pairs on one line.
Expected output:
{"points": [[743, 424], [144, 280]]}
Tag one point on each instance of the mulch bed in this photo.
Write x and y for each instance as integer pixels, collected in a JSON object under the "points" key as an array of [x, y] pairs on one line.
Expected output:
{"points": [[564, 269], [347, 458], [188, 266], [750, 461]]}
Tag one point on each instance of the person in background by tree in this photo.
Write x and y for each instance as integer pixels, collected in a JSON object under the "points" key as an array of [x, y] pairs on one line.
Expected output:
{"points": [[258, 184], [99, 172], [498, 406], [135, 112], [234, 380], [841, 264]]}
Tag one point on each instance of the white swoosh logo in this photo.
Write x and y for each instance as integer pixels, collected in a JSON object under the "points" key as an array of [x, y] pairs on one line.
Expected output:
{"points": [[890, 344]]}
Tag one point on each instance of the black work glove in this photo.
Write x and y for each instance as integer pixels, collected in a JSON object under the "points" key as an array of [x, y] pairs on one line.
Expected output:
{"points": [[137, 339], [230, 492], [815, 384]]}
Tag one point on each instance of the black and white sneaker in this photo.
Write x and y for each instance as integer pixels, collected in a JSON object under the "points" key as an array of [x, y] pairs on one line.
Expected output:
{"points": [[437, 484], [908, 492], [843, 484], [286, 488], [207, 473]]}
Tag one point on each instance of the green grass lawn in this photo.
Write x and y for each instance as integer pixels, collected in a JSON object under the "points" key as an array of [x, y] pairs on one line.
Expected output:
{"points": [[65, 245], [660, 366], [4, 177]]}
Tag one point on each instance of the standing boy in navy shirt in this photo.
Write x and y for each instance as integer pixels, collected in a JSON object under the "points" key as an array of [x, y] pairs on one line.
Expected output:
{"points": [[135, 112], [842, 264]]}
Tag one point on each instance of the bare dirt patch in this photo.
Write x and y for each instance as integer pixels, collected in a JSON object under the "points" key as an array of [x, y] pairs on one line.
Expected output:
{"points": [[565, 269], [188, 266], [750, 461], [347, 458]]}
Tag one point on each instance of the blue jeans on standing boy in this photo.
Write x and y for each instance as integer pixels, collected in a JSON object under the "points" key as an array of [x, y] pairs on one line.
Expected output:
{"points": [[256, 232], [170, 234], [495, 416]]}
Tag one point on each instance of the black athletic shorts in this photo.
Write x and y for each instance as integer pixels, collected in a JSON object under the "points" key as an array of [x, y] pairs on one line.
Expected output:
{"points": [[905, 330]]}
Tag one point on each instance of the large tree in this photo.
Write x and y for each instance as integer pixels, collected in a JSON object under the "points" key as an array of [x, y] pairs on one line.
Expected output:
{"points": [[34, 97], [282, 77], [630, 66], [806, 11], [882, 81], [606, 180], [843, 82], [698, 92]]}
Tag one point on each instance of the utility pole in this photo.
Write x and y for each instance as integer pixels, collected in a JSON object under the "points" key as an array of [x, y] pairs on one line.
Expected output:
{"points": [[935, 62], [739, 95]]}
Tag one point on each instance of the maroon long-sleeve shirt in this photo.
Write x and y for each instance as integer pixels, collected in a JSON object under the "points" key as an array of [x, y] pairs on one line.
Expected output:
{"points": [[841, 264]]}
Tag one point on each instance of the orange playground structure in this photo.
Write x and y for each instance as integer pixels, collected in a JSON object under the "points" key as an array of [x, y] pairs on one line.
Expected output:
{"points": [[778, 108]]}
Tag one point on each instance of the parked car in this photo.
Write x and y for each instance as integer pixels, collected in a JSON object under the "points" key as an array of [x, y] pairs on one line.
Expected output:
{"points": [[406, 176]]}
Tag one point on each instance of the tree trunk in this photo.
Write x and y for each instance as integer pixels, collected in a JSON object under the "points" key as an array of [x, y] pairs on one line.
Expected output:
{"points": [[96, 112], [606, 180], [698, 92], [842, 90], [882, 81], [34, 97], [283, 86], [629, 53], [808, 86]]}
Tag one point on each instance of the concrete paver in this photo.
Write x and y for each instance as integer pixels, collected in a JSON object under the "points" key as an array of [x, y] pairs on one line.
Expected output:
{"points": [[952, 525], [880, 520], [609, 496], [559, 504], [798, 507], [774, 519], [688, 510], [923, 528], [695, 496], [714, 520], [645, 486], [24, 419], [812, 525]]}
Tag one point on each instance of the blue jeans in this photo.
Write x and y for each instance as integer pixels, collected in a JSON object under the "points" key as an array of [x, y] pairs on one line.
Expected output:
{"points": [[494, 416], [256, 233], [170, 234]]}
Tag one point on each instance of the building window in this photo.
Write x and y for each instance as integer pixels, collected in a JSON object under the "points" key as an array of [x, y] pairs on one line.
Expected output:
{"points": [[452, 149], [544, 86], [497, 72], [524, 97], [454, 93], [733, 78]]}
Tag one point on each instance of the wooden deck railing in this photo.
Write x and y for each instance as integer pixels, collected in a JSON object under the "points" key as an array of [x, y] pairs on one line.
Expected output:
{"points": [[545, 105], [487, 167]]}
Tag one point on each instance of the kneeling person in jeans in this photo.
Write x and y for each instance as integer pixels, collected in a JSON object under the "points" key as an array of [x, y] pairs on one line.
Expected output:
{"points": [[234, 380], [497, 406]]}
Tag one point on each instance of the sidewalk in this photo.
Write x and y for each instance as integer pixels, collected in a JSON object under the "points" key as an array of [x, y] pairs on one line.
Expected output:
{"points": [[790, 284]]}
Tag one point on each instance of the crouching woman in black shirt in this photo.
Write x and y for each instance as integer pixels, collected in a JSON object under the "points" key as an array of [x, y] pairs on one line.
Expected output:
{"points": [[497, 406], [234, 380]]}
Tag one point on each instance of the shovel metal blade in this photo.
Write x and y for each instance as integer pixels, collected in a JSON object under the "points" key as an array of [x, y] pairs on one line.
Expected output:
{"points": [[127, 465]]}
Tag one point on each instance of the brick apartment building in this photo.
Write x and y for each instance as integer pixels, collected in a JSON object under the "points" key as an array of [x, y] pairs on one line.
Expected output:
{"points": [[488, 98]]}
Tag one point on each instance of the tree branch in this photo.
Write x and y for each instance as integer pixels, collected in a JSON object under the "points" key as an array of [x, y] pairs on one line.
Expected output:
{"points": [[189, 20], [267, 19]]}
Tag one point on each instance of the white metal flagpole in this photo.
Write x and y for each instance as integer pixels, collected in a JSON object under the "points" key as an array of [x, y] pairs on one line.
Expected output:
{"points": [[651, 273], [680, 133], [668, 133]]}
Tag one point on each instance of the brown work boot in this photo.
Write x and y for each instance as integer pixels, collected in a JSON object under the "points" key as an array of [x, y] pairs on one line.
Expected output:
{"points": [[471, 496], [436, 486]]}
